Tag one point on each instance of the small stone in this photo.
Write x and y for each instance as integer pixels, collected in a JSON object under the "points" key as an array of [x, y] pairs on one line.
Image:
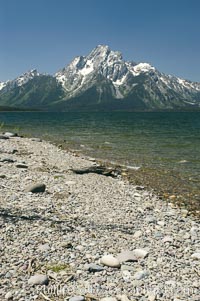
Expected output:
{"points": [[137, 234], [79, 248], [8, 160], [38, 280], [3, 137], [14, 151], [140, 275], [8, 275], [193, 231], [66, 244], [196, 256], [137, 195], [9, 296], [167, 239], [151, 296], [2, 176], [126, 256], [21, 165], [148, 206], [139, 188], [158, 235], [36, 139], [151, 220], [126, 275], [91, 159], [44, 247], [183, 161], [110, 261], [9, 134], [132, 255], [36, 188], [92, 267], [161, 223], [77, 298], [184, 212]]}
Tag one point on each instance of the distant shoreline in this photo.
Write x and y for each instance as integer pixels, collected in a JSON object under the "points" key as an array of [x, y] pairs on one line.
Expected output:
{"points": [[15, 109]]}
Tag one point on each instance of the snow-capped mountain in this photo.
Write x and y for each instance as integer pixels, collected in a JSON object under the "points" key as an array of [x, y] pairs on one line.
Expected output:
{"points": [[19, 81], [124, 78], [103, 80]]}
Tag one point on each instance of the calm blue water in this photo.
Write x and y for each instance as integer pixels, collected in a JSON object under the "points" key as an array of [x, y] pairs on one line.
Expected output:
{"points": [[158, 140]]}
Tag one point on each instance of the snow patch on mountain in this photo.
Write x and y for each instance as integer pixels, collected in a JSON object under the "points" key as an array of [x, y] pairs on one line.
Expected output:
{"points": [[120, 81], [88, 68], [2, 85], [142, 68], [24, 78], [188, 84]]}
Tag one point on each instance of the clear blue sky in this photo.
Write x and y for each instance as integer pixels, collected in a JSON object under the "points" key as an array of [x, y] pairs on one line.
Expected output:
{"points": [[47, 34]]}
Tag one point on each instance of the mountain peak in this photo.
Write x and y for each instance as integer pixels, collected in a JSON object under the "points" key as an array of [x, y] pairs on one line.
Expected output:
{"points": [[100, 51], [24, 78], [99, 79], [102, 47], [32, 72]]}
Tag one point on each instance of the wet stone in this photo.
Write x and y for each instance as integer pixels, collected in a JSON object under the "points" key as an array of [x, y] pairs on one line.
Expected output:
{"points": [[36, 188], [21, 165], [92, 267]]}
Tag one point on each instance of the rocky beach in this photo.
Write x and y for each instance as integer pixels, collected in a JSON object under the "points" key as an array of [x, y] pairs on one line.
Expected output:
{"points": [[72, 230]]}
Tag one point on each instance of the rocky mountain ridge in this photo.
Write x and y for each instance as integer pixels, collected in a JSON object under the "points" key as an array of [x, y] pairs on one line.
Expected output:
{"points": [[101, 80]]}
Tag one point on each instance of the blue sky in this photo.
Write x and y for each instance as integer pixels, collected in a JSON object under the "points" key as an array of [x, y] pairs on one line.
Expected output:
{"points": [[47, 34]]}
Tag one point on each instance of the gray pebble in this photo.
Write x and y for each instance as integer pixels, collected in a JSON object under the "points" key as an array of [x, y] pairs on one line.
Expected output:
{"points": [[92, 267], [36, 188], [38, 280], [77, 298]]}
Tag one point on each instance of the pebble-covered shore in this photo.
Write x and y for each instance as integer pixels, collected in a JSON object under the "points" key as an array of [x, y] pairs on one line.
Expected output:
{"points": [[69, 235]]}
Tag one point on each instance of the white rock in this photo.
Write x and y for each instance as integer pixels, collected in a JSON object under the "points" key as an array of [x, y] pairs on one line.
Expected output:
{"points": [[137, 234], [110, 261], [140, 275], [193, 230], [8, 296], [161, 223], [137, 195], [134, 255], [126, 275], [8, 134], [195, 256], [44, 247], [122, 298], [77, 298], [38, 279], [167, 239], [140, 253], [151, 296], [126, 256]]}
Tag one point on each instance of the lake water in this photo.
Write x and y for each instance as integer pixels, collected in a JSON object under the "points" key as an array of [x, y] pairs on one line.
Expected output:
{"points": [[166, 142]]}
